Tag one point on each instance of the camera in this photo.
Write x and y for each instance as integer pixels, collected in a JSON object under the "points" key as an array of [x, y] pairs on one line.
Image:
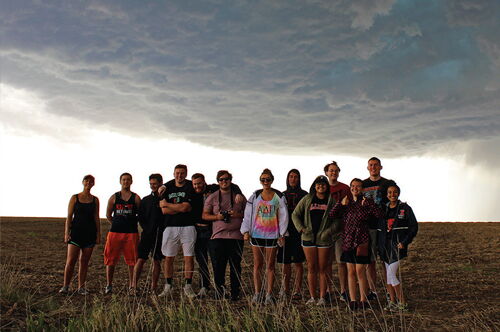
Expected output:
{"points": [[226, 217]]}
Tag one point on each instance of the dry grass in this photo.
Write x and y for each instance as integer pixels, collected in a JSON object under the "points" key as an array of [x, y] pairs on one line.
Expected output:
{"points": [[450, 279]]}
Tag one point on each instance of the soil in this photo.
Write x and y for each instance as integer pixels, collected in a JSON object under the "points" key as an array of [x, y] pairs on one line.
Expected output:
{"points": [[449, 277]]}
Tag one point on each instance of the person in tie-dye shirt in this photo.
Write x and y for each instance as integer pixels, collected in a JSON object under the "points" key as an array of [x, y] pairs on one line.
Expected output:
{"points": [[265, 224]]}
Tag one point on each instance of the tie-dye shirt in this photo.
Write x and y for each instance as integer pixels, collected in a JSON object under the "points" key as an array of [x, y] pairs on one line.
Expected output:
{"points": [[265, 219]]}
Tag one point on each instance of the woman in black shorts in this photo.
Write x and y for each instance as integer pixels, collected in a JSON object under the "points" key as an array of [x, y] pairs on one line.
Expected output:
{"points": [[82, 232], [355, 214]]}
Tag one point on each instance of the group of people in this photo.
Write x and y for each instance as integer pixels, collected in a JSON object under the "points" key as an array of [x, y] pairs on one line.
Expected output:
{"points": [[351, 224]]}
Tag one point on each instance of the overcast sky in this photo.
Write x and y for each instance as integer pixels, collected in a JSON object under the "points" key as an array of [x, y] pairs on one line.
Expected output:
{"points": [[396, 79]]}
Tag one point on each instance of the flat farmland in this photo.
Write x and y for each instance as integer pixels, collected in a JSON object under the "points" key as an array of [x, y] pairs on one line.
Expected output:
{"points": [[450, 279]]}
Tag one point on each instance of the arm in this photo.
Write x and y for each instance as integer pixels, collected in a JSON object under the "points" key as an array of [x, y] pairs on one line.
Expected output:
{"points": [[239, 207], [165, 209], [109, 208], [97, 221], [283, 216], [176, 208], [208, 209], [247, 218], [338, 209], [412, 227], [69, 219], [298, 216]]}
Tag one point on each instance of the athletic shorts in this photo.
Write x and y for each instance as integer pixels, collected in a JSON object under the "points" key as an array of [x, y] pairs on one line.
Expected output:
{"points": [[82, 245], [373, 245], [151, 243], [350, 257], [174, 237], [312, 244], [291, 252], [264, 243], [118, 243]]}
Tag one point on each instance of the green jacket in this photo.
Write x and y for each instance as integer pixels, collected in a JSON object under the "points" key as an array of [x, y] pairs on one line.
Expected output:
{"points": [[328, 230]]}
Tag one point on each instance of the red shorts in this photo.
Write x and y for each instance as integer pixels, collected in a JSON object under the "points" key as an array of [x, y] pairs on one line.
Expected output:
{"points": [[116, 243]]}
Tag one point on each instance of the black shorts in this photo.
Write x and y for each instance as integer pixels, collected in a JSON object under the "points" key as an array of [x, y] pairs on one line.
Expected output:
{"points": [[265, 243], [291, 252], [350, 257], [150, 243], [82, 245]]}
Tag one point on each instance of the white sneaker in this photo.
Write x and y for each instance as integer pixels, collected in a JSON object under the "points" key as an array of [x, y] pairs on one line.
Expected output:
{"points": [[269, 299], [321, 302], [257, 298], [203, 292], [189, 292], [83, 291], [168, 290], [311, 301], [108, 289], [64, 290]]}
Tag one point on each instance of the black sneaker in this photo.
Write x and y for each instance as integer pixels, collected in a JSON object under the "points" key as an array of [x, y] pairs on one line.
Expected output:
{"points": [[364, 305], [372, 296], [353, 305], [344, 297], [328, 298], [235, 297]]}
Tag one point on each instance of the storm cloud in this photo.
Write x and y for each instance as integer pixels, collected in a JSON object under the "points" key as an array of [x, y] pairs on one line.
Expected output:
{"points": [[392, 78]]}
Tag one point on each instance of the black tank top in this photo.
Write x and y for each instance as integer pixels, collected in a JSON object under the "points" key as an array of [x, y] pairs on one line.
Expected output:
{"points": [[83, 226], [124, 215]]}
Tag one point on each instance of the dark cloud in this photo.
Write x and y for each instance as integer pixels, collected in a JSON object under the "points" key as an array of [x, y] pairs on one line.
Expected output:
{"points": [[393, 78]]}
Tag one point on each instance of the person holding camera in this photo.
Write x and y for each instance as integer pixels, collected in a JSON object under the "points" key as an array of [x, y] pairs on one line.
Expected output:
{"points": [[226, 214]]}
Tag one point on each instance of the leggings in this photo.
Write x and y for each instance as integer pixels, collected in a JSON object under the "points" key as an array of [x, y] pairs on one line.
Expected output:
{"points": [[392, 270]]}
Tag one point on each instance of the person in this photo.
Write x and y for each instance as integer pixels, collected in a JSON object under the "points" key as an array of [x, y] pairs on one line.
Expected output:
{"points": [[82, 232], [202, 247], [264, 224], [122, 212], [374, 187], [179, 229], [151, 221], [292, 252], [356, 252], [226, 216], [395, 232], [338, 191], [312, 219]]}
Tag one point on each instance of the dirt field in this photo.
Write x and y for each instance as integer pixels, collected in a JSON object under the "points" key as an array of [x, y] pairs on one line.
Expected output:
{"points": [[450, 276]]}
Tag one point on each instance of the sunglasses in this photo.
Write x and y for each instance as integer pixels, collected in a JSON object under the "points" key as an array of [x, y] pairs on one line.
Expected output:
{"points": [[223, 179], [266, 180]]}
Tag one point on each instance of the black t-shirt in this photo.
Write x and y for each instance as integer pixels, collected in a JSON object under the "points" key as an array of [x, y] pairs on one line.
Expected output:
{"points": [[177, 195], [392, 214], [293, 197], [376, 190], [317, 210], [150, 216]]}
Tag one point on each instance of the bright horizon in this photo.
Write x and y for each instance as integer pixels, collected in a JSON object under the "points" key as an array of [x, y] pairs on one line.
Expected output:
{"points": [[107, 87]]}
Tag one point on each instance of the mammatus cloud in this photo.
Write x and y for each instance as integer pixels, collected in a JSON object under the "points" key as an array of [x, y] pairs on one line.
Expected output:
{"points": [[391, 78]]}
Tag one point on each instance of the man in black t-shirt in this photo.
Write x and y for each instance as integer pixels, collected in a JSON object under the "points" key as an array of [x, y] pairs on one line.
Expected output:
{"points": [[179, 228], [374, 187], [151, 221]]}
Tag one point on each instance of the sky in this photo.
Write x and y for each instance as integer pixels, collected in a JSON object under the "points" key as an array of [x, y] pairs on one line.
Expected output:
{"points": [[104, 87]]}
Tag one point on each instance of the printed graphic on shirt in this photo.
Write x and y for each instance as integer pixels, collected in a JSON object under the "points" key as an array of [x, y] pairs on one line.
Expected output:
{"points": [[374, 193], [177, 197], [318, 206], [266, 219], [292, 199], [124, 209], [390, 223]]}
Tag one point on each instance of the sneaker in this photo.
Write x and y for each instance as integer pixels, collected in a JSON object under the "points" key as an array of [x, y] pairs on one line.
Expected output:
{"points": [[321, 302], [257, 298], [372, 296], [353, 305], [269, 299], [282, 296], [297, 297], [364, 305], [203, 293], [64, 290], [168, 290], [328, 298], [108, 289], [189, 292], [235, 297], [83, 291], [311, 301], [391, 306], [401, 306], [344, 297]]}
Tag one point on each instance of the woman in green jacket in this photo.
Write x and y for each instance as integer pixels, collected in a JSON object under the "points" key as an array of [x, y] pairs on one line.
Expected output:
{"points": [[312, 219]]}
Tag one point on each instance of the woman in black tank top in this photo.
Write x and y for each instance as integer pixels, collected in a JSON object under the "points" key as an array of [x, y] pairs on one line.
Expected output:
{"points": [[82, 232]]}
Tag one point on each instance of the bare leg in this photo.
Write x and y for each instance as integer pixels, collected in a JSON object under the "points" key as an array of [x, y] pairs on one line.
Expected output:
{"points": [[399, 293], [258, 263], [270, 265], [363, 282], [299, 274], [130, 275], [287, 276], [371, 275], [392, 292], [188, 267], [156, 274], [342, 269], [137, 271], [169, 266], [69, 268], [83, 267], [324, 267], [351, 281], [110, 272], [312, 269]]}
